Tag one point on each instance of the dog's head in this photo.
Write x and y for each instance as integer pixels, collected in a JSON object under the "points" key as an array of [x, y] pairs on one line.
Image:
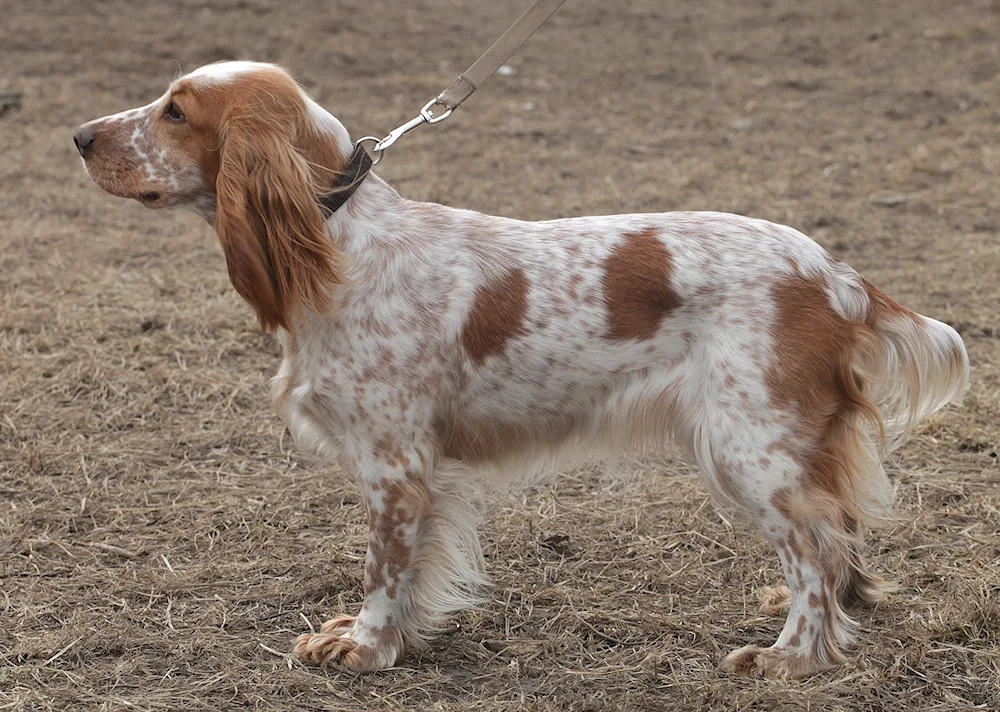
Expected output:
{"points": [[242, 144]]}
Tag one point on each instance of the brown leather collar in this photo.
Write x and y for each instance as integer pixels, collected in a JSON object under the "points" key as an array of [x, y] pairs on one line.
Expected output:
{"points": [[358, 168]]}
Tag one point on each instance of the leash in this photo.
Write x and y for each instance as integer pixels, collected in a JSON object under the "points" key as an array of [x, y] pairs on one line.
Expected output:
{"points": [[440, 107]]}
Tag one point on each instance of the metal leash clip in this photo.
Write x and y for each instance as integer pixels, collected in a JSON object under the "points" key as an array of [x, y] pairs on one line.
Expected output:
{"points": [[426, 116]]}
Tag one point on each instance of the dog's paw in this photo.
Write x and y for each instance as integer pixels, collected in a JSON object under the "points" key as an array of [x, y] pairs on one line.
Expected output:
{"points": [[777, 663], [341, 625], [774, 600], [340, 643]]}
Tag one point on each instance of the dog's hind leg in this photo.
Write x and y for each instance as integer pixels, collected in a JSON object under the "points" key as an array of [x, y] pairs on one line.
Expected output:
{"points": [[806, 528], [861, 586]]}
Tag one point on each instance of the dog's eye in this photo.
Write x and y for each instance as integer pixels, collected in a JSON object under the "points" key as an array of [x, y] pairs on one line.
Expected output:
{"points": [[173, 112]]}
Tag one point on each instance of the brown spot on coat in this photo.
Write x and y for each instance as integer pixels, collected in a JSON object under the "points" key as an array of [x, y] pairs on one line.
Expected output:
{"points": [[636, 285], [389, 452], [796, 639], [496, 317], [390, 555], [781, 500], [812, 378], [574, 282]]}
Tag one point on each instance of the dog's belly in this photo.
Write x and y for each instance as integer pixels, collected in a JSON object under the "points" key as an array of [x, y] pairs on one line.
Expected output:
{"points": [[544, 380], [578, 388]]}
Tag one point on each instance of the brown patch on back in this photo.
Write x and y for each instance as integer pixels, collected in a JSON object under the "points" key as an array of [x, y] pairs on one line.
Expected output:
{"points": [[496, 317], [636, 284]]}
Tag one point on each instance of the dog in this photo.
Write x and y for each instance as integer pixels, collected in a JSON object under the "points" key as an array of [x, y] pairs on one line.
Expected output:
{"points": [[442, 354]]}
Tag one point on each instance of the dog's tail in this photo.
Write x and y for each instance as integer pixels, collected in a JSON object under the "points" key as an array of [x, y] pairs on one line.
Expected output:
{"points": [[912, 365]]}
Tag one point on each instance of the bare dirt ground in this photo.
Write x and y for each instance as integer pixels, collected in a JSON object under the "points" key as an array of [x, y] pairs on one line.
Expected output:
{"points": [[161, 544]]}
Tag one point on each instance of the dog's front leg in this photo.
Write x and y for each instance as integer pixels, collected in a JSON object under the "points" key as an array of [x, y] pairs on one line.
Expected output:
{"points": [[393, 479]]}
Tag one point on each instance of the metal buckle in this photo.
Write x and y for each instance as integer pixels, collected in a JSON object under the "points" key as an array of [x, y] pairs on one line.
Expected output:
{"points": [[398, 132], [426, 116], [429, 116]]}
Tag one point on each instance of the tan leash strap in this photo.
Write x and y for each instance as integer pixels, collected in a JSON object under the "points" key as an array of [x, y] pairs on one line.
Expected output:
{"points": [[361, 163], [493, 58], [473, 78]]}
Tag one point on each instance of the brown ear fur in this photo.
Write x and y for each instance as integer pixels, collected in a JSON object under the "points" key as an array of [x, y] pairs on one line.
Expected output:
{"points": [[269, 222]]}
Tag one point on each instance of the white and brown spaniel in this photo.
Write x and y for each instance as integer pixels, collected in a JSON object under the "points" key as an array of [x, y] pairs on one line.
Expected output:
{"points": [[440, 353]]}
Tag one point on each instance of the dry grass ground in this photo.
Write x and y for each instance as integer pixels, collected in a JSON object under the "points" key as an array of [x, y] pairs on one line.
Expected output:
{"points": [[161, 544]]}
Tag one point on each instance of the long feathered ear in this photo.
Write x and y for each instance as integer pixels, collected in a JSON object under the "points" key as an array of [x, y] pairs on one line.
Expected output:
{"points": [[269, 222]]}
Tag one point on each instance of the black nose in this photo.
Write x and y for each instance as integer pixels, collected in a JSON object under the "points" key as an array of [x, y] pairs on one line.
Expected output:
{"points": [[83, 137]]}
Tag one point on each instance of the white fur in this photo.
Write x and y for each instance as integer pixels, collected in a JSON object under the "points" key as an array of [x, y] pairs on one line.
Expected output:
{"points": [[222, 72]]}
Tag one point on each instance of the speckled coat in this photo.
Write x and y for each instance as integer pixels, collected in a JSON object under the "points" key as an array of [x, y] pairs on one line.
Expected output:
{"points": [[439, 354]]}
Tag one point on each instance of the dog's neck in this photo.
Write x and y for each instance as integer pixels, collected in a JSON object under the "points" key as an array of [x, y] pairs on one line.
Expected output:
{"points": [[374, 211], [358, 167], [328, 144]]}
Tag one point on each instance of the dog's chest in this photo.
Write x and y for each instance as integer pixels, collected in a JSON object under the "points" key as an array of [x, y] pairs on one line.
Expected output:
{"points": [[339, 383]]}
